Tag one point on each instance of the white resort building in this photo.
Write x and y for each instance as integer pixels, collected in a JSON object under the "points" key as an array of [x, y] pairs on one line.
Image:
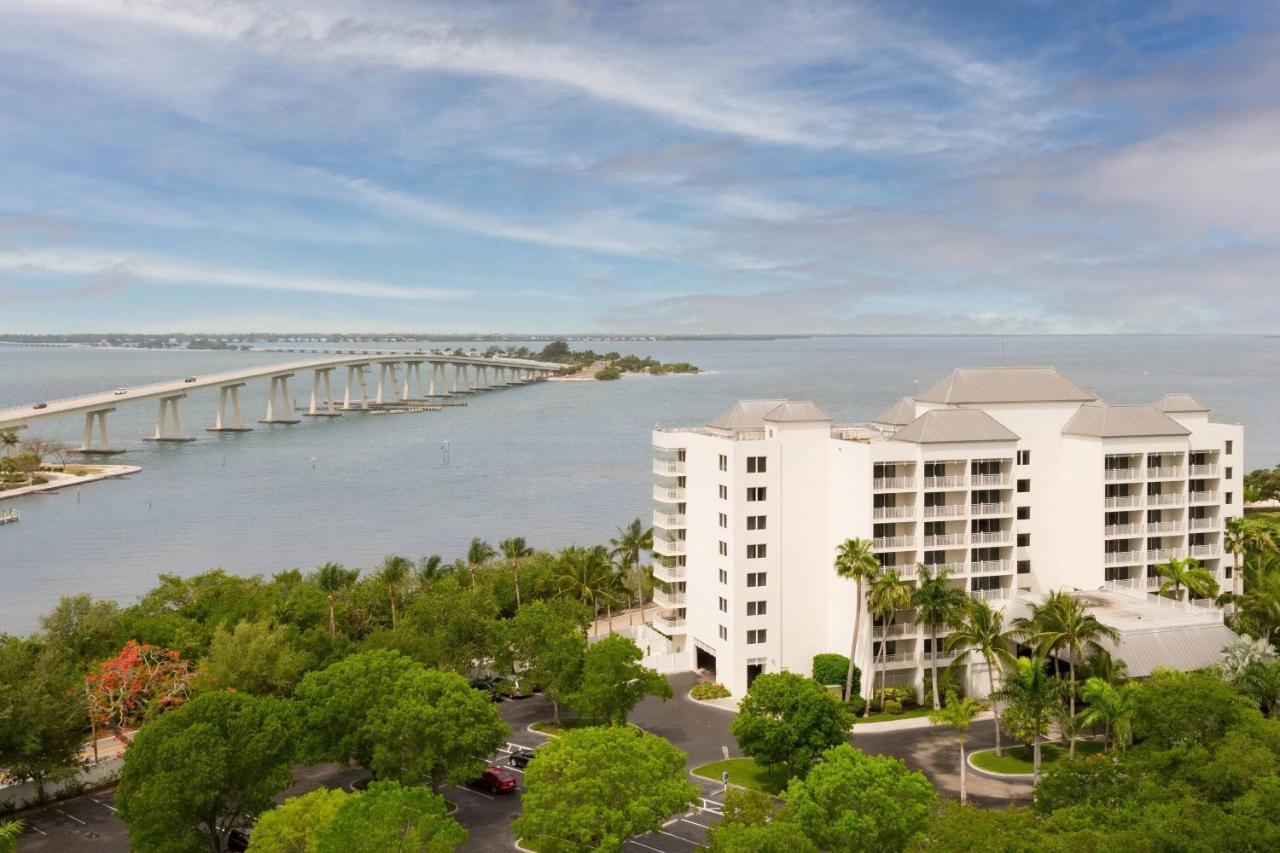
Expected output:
{"points": [[1017, 480]]}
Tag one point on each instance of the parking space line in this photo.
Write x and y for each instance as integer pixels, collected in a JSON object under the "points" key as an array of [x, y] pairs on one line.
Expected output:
{"points": [[73, 817], [645, 846], [678, 837], [477, 793], [37, 829], [106, 805], [695, 823]]}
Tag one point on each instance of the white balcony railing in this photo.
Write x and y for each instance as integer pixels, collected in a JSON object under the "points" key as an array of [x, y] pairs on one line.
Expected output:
{"points": [[988, 480], [945, 511], [1114, 558], [1126, 583], [898, 629], [669, 547], [1204, 524], [1122, 529], [1122, 501], [668, 495], [669, 573], [1123, 474], [1203, 471], [942, 539], [894, 512], [991, 567], [1164, 527], [669, 625], [1166, 473], [898, 658], [1203, 497], [668, 520], [991, 509], [995, 537], [905, 570], [1164, 555], [889, 542], [990, 594], [1171, 499], [668, 468], [892, 483], [950, 482], [1154, 582], [950, 568], [662, 598], [1204, 550]]}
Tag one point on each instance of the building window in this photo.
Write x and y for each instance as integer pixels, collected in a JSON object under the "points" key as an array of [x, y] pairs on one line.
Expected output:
{"points": [[756, 608], [1024, 539], [756, 636], [1024, 512], [755, 464], [1228, 499], [756, 552], [1024, 485], [756, 578], [724, 493], [755, 522], [1024, 567], [755, 494], [1228, 473], [724, 633], [724, 549], [724, 520], [724, 462], [1024, 457], [724, 604], [724, 576], [1229, 446]]}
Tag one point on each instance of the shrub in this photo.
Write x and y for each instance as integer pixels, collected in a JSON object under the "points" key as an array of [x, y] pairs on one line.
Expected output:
{"points": [[831, 668], [948, 683], [893, 706], [709, 691], [903, 695], [609, 373], [856, 704]]}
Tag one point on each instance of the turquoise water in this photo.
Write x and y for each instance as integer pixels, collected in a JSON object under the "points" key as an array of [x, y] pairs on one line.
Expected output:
{"points": [[557, 463]]}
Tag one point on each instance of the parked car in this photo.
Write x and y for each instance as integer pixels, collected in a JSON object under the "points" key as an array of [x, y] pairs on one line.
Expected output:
{"points": [[120, 392], [520, 758], [40, 406], [495, 780], [189, 379]]}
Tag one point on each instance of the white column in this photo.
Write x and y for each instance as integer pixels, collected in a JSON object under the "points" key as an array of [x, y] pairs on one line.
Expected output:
{"points": [[103, 438], [431, 383], [271, 400], [88, 431], [328, 391], [382, 380], [315, 391]]}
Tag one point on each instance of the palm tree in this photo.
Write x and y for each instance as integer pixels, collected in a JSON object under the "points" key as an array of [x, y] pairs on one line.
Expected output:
{"points": [[430, 569], [587, 575], [1245, 537], [1186, 572], [636, 580], [515, 550], [479, 552], [1112, 706], [979, 628], [395, 571], [1101, 664], [888, 594], [1241, 652], [1260, 604], [631, 541], [9, 832], [856, 561], [1260, 681], [333, 579], [959, 714], [1062, 626], [9, 439], [1032, 694], [936, 603]]}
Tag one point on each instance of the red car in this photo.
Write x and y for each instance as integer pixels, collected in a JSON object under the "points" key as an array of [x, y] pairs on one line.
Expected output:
{"points": [[495, 780]]}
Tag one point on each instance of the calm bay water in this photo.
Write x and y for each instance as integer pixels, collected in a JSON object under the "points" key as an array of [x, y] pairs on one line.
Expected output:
{"points": [[556, 462]]}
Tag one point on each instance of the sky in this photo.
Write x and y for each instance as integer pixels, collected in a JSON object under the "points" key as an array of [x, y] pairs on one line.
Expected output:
{"points": [[655, 167]]}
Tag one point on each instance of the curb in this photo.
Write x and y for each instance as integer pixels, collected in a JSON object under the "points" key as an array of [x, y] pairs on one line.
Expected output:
{"points": [[991, 774]]}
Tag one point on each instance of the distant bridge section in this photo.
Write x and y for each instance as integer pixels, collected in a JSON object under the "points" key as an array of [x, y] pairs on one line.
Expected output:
{"points": [[400, 382]]}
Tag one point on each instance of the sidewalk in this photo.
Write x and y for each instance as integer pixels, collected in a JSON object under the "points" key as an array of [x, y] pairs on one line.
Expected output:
{"points": [[110, 760]]}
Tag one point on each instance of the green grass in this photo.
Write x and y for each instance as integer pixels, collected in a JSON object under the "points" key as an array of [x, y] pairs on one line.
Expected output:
{"points": [[905, 715], [549, 728], [1018, 759], [745, 772]]}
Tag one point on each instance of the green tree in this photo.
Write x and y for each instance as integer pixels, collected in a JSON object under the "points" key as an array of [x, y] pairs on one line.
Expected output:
{"points": [[334, 580], [1031, 695], [631, 543], [591, 789], [395, 574], [1244, 536], [856, 561], [42, 717], [334, 704], [292, 827], [614, 682], [586, 574], [434, 730], [389, 817], [200, 771], [515, 551], [779, 836], [937, 603], [1189, 574], [977, 628], [1174, 709], [1260, 681], [10, 830], [1259, 607], [255, 658], [85, 631], [479, 553], [959, 714], [546, 643], [968, 829], [454, 627], [788, 719], [1111, 706], [852, 801], [9, 439], [888, 594]]}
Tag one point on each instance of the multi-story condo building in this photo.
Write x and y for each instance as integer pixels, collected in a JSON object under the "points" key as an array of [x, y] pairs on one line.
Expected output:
{"points": [[1017, 481]]}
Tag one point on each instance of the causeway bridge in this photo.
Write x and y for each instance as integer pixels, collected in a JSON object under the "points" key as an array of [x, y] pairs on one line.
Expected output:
{"points": [[399, 382]]}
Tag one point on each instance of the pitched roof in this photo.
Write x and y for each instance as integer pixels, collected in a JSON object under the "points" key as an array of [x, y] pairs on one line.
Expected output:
{"points": [[1180, 403], [939, 426], [1005, 385], [1183, 648], [1099, 420], [748, 414], [900, 413]]}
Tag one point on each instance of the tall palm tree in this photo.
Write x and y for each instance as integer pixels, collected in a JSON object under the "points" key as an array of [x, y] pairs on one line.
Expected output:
{"points": [[1260, 681], [958, 714], [978, 628], [1112, 706], [637, 581], [1260, 604], [587, 575], [515, 550], [856, 561], [1061, 625], [1186, 572], [936, 603], [1032, 693], [1245, 537], [1101, 664], [430, 569], [631, 542], [479, 552], [395, 571], [333, 579], [888, 594], [9, 439]]}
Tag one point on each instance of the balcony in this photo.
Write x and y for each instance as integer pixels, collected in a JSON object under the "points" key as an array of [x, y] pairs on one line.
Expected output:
{"points": [[932, 657], [668, 547], [977, 480], [664, 572], [991, 567], [1171, 499], [668, 520], [1204, 550], [890, 484], [906, 570], [668, 495], [1166, 473], [881, 512], [1164, 555], [668, 468], [1202, 471], [1154, 527], [1203, 497], [944, 539], [1126, 583], [1122, 530], [898, 629], [1122, 501], [956, 481], [889, 543], [1121, 558], [1115, 475], [663, 598], [945, 511], [898, 659], [995, 537], [669, 625], [1204, 524], [949, 568], [1154, 582], [991, 509], [989, 594]]}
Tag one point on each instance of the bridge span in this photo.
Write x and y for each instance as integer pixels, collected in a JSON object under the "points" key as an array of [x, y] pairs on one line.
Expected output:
{"points": [[399, 381]]}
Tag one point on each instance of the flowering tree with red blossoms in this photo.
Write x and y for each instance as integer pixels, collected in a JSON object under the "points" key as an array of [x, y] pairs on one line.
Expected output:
{"points": [[138, 682]]}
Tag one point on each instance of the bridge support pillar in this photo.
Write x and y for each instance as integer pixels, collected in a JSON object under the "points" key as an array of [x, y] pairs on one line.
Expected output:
{"points": [[481, 375], [438, 376], [279, 403], [96, 421], [388, 382], [169, 411], [460, 379], [220, 421], [355, 381], [322, 377]]}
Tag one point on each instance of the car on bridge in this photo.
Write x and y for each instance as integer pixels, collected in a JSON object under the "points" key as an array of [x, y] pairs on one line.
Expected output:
{"points": [[120, 392], [189, 379], [40, 406]]}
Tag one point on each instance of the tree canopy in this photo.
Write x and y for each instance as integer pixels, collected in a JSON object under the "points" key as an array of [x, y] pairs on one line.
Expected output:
{"points": [[788, 719], [613, 681]]}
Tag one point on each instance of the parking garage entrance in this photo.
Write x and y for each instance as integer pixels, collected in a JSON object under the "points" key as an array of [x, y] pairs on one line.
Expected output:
{"points": [[705, 659]]}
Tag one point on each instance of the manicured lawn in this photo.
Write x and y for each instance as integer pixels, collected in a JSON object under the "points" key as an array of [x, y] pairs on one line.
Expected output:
{"points": [[549, 728], [745, 772], [905, 715], [1018, 759]]}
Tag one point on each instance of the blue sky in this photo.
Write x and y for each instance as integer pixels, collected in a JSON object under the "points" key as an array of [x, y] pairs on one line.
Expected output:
{"points": [[655, 167]]}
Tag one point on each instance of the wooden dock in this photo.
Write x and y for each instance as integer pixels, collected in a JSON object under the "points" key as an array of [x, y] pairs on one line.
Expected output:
{"points": [[8, 515]]}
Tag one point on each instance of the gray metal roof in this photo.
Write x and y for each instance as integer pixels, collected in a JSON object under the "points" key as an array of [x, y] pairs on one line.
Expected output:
{"points": [[1005, 385], [900, 413], [751, 414], [1098, 420], [942, 426], [1180, 403], [1184, 648]]}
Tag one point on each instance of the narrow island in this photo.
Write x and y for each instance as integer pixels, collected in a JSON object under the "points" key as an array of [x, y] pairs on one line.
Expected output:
{"points": [[588, 364]]}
